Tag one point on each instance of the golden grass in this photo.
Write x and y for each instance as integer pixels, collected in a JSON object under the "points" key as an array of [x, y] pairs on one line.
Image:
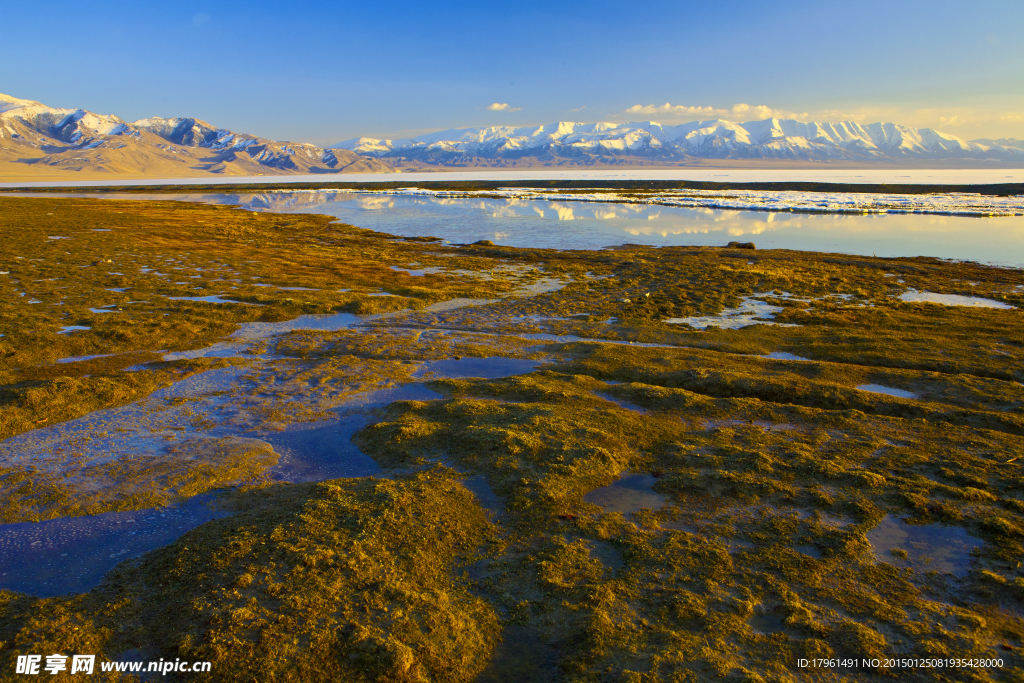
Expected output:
{"points": [[772, 471]]}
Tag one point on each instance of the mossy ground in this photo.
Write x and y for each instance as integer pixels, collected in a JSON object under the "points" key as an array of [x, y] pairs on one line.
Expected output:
{"points": [[773, 471], [344, 580], [122, 263], [184, 470], [746, 570]]}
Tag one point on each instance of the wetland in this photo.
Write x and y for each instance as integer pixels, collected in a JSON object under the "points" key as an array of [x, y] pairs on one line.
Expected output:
{"points": [[304, 450], [960, 225]]}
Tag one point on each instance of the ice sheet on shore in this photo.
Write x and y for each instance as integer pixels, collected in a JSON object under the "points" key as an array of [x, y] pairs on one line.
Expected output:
{"points": [[949, 203], [749, 312], [953, 300]]}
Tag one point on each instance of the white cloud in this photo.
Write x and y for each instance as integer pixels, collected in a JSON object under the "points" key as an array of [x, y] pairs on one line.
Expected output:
{"points": [[838, 115], [985, 120], [502, 106], [579, 108], [745, 112], [677, 110], [969, 121]]}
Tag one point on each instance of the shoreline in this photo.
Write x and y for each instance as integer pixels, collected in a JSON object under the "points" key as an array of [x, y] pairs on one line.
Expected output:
{"points": [[913, 181], [775, 206]]}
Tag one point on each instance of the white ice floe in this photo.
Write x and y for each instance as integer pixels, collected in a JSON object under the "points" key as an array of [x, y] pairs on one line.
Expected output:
{"points": [[952, 300], [419, 272], [888, 391], [949, 203], [829, 202], [750, 312]]}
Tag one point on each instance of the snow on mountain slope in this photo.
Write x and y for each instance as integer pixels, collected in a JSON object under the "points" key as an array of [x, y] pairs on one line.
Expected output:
{"points": [[1003, 142], [7, 102], [36, 139], [718, 139]]}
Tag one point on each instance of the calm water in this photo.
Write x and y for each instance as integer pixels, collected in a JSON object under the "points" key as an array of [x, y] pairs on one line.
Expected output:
{"points": [[631, 493], [72, 554], [923, 547], [593, 225]]}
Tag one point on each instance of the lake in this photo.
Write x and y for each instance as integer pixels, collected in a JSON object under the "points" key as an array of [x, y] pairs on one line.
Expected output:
{"points": [[593, 225]]}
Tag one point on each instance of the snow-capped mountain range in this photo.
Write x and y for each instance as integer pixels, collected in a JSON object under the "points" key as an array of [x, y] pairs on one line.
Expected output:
{"points": [[718, 139], [41, 143], [35, 138]]}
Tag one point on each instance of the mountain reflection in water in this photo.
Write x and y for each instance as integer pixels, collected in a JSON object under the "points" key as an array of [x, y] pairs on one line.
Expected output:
{"points": [[540, 223]]}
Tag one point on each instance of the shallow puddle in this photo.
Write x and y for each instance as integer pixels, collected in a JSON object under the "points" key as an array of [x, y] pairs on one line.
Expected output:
{"points": [[321, 453], [809, 550], [488, 368], [323, 323], [485, 496], [620, 402], [218, 350], [136, 428], [766, 426], [76, 359], [571, 338], [888, 391], [453, 304], [927, 547], [520, 655], [211, 299], [783, 355], [766, 620], [631, 493], [71, 555], [325, 451]]}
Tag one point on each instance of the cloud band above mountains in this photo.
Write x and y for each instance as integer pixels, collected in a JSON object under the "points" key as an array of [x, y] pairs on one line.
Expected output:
{"points": [[737, 111]]}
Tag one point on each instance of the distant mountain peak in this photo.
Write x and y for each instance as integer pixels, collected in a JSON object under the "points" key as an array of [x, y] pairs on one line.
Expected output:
{"points": [[36, 139], [14, 102], [713, 139]]}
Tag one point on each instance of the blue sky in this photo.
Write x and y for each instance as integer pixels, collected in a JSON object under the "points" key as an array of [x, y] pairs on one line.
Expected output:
{"points": [[325, 71]]}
